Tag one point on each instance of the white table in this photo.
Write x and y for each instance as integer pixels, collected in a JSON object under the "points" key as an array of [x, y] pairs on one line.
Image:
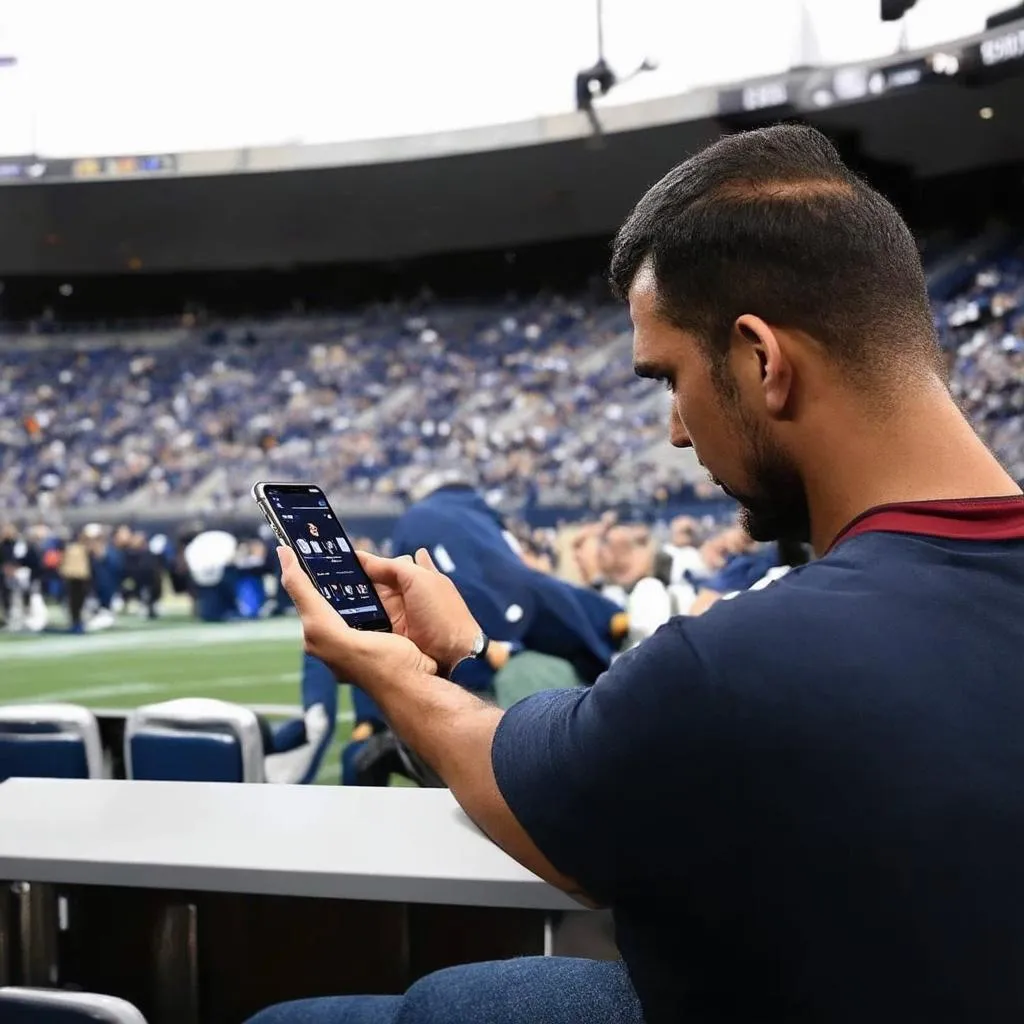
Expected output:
{"points": [[396, 845], [413, 847]]}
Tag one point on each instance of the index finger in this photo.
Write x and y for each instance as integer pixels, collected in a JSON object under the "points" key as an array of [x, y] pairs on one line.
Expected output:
{"points": [[389, 571]]}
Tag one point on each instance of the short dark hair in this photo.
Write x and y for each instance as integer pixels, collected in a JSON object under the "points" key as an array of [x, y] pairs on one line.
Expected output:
{"points": [[772, 222]]}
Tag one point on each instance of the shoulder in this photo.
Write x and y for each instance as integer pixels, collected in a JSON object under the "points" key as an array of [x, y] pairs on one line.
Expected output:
{"points": [[784, 607]]}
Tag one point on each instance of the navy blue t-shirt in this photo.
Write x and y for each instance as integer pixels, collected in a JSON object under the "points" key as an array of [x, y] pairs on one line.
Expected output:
{"points": [[808, 804]]}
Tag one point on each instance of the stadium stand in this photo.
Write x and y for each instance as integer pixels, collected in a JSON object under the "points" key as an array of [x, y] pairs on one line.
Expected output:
{"points": [[982, 328], [531, 400], [528, 400], [148, 646]]}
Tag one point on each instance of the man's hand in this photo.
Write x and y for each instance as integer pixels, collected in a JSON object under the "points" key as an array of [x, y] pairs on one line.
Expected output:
{"points": [[359, 657], [423, 605], [452, 730]]}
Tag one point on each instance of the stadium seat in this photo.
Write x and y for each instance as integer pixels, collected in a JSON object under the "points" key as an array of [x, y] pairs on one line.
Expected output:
{"points": [[49, 1006], [49, 741], [194, 739]]}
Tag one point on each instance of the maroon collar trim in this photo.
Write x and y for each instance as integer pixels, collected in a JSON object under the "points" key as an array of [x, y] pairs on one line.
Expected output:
{"points": [[958, 518]]}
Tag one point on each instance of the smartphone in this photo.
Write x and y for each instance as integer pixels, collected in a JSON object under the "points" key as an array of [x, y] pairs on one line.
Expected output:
{"points": [[302, 518]]}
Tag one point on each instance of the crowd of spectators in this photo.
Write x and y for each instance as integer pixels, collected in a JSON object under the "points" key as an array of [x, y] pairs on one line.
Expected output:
{"points": [[97, 572], [982, 330], [534, 401]]}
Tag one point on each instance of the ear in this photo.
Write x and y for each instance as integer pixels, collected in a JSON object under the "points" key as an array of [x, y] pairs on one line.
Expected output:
{"points": [[775, 370]]}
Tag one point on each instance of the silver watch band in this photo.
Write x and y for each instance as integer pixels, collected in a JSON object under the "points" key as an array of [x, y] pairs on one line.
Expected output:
{"points": [[477, 653]]}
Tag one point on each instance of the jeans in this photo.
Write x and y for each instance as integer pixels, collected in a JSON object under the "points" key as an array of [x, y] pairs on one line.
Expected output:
{"points": [[531, 990]]}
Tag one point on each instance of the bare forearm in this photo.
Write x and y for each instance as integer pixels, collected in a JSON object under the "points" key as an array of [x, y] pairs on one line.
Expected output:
{"points": [[453, 731], [448, 727]]}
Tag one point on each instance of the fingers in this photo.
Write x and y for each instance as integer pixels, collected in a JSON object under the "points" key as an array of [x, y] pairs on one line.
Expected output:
{"points": [[397, 572], [383, 570], [309, 602], [378, 569], [424, 561]]}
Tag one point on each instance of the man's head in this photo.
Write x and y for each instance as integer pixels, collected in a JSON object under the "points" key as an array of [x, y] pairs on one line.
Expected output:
{"points": [[683, 531], [764, 278], [626, 554]]}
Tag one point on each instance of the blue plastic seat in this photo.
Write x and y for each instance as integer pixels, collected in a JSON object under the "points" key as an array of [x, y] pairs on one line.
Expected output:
{"points": [[49, 741], [194, 739]]}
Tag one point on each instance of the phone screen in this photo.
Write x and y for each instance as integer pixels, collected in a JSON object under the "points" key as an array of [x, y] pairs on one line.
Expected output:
{"points": [[325, 550]]}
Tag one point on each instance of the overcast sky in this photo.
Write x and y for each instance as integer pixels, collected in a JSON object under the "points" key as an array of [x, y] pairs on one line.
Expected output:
{"points": [[110, 76]]}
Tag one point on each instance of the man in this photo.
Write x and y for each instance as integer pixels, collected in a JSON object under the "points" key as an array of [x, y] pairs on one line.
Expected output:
{"points": [[76, 571], [805, 805], [751, 571], [107, 563], [8, 566], [21, 564], [210, 557], [141, 573]]}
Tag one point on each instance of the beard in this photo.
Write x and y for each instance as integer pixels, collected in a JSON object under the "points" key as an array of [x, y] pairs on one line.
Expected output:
{"points": [[774, 505]]}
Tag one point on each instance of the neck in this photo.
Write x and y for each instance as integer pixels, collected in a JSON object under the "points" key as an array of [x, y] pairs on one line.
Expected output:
{"points": [[925, 451]]}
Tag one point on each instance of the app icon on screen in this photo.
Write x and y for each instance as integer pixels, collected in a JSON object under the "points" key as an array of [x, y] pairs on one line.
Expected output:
{"points": [[303, 546], [349, 592], [343, 545], [316, 548]]}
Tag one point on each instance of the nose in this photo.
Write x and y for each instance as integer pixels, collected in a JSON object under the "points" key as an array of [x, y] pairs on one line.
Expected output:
{"points": [[677, 432]]}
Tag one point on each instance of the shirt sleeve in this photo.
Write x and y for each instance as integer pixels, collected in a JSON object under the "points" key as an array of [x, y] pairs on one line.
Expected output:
{"points": [[580, 768]]}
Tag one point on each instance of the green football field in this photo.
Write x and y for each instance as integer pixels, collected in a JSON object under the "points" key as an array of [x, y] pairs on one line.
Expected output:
{"points": [[252, 663]]}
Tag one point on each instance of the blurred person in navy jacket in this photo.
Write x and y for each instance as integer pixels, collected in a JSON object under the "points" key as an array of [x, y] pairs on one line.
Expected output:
{"points": [[518, 606]]}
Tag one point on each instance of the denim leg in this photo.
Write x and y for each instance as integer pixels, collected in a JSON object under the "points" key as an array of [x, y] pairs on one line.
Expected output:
{"points": [[530, 990], [333, 1010]]}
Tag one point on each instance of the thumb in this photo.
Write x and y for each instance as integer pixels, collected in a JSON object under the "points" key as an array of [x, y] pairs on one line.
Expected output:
{"points": [[424, 561], [308, 600]]}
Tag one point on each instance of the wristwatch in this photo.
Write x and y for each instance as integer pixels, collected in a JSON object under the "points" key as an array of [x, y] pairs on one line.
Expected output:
{"points": [[477, 652]]}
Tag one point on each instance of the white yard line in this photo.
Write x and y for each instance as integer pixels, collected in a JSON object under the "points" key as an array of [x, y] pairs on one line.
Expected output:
{"points": [[87, 693], [284, 710], [196, 635], [119, 689]]}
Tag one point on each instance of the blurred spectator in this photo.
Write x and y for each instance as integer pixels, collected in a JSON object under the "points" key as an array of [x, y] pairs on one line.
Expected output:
{"points": [[76, 571], [982, 330], [532, 402], [141, 573]]}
